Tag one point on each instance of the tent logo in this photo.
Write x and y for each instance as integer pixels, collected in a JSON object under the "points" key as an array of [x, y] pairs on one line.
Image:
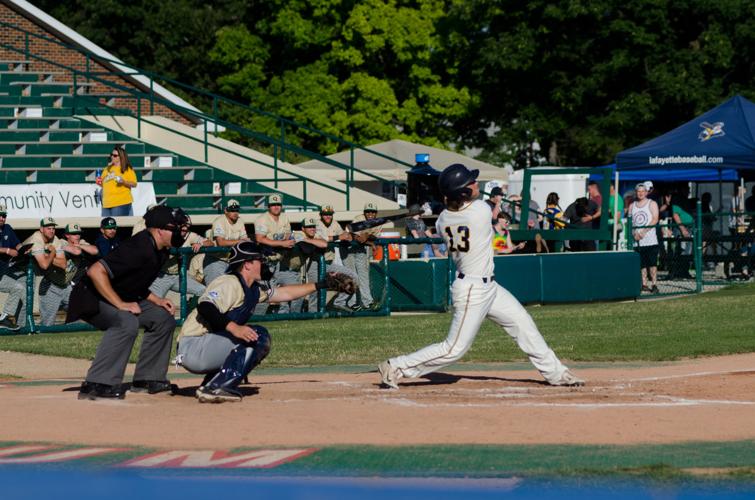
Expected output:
{"points": [[711, 131]]}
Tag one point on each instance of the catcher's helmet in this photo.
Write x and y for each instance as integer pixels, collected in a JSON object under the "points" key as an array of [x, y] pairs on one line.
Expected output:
{"points": [[243, 251], [453, 181]]}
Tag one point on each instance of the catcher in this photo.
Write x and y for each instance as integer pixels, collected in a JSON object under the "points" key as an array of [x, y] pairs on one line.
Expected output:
{"points": [[216, 341]]}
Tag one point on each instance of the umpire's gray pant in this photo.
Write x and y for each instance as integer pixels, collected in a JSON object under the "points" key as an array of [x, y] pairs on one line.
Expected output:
{"points": [[14, 284], [166, 282], [358, 260], [121, 329], [51, 298], [213, 268], [313, 275]]}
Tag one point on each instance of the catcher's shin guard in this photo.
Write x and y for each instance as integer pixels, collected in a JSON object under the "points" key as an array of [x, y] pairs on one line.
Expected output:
{"points": [[241, 360]]}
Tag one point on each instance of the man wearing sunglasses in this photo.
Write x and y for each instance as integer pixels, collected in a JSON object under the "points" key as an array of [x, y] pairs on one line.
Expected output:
{"points": [[115, 297]]}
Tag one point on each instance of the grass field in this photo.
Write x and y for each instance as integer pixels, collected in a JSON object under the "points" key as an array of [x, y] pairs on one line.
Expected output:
{"points": [[709, 324]]}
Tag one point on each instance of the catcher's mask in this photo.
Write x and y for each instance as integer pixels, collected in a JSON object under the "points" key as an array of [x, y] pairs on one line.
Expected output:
{"points": [[172, 219]]}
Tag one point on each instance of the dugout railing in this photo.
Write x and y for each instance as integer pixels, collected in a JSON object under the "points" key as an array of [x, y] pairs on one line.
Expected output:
{"points": [[33, 326]]}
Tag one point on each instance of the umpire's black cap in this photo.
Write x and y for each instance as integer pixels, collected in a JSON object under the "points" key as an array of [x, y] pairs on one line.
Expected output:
{"points": [[165, 217], [243, 251]]}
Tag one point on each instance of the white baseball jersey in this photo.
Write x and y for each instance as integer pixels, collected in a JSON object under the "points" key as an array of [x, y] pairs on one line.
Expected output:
{"points": [[468, 234]]}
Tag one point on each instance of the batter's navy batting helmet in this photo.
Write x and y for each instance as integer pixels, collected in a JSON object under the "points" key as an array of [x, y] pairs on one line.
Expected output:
{"points": [[453, 181]]}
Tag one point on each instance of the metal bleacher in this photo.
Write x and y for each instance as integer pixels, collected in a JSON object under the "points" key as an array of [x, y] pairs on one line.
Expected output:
{"points": [[42, 142]]}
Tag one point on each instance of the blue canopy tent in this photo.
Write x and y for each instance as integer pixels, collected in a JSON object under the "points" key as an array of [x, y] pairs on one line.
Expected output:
{"points": [[671, 175], [718, 140]]}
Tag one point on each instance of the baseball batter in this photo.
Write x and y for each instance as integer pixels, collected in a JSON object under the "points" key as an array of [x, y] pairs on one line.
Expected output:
{"points": [[465, 226]]}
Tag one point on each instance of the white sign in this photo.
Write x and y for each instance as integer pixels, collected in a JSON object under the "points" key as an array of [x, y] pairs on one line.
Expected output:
{"points": [[36, 201]]}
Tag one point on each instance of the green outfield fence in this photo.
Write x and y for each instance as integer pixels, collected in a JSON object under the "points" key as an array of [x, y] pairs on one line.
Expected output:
{"points": [[383, 298]]}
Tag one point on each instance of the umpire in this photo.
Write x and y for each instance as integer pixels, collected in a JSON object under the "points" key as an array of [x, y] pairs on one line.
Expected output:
{"points": [[115, 298]]}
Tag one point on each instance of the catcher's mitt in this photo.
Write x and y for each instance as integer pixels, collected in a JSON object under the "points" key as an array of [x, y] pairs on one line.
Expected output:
{"points": [[341, 282]]}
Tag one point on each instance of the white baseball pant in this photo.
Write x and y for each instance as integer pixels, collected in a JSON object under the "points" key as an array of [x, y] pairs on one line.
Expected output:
{"points": [[473, 301]]}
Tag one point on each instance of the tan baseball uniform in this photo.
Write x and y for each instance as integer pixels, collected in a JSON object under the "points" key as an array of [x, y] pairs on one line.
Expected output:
{"points": [[223, 228], [226, 293]]}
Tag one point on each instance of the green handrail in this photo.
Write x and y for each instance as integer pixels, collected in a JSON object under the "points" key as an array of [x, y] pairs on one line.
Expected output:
{"points": [[201, 116], [215, 98]]}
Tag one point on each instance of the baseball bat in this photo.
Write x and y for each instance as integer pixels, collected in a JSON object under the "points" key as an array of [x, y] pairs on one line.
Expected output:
{"points": [[361, 225]]}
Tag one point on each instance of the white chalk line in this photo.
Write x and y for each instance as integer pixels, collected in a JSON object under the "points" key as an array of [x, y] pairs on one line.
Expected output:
{"points": [[684, 375]]}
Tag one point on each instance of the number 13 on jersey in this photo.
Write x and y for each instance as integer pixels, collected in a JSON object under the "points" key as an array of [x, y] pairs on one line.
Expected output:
{"points": [[458, 238]]}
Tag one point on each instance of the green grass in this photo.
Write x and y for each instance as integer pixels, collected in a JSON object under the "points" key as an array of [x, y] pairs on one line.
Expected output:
{"points": [[709, 324]]}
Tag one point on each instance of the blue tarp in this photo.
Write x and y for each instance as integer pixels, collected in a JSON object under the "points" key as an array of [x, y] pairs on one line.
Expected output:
{"points": [[722, 138]]}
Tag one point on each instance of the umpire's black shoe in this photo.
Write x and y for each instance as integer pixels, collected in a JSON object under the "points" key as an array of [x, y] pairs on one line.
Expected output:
{"points": [[153, 386], [93, 390]]}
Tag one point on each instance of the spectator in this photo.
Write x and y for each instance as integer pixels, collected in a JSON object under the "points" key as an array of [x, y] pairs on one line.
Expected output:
{"points": [[416, 228], [581, 215], [9, 247], [615, 214], [357, 258], [227, 230], [108, 240], [115, 298], [168, 278], [644, 215], [593, 193], [496, 196], [710, 235], [554, 216], [330, 230], [682, 231], [117, 180], [533, 212], [272, 230], [68, 267], [502, 242]]}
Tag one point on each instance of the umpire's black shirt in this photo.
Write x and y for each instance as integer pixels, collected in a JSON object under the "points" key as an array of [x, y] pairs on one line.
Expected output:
{"points": [[132, 267]]}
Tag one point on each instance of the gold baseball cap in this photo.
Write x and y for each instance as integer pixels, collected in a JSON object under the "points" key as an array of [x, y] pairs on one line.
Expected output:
{"points": [[309, 222], [370, 207], [274, 199], [232, 206], [327, 210], [47, 221]]}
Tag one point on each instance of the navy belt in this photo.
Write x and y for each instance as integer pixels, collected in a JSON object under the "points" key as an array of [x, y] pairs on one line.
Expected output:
{"points": [[484, 279]]}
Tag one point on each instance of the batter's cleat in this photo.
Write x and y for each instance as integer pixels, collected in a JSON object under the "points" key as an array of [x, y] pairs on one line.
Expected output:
{"points": [[568, 379], [219, 395], [94, 391], [389, 375], [153, 386]]}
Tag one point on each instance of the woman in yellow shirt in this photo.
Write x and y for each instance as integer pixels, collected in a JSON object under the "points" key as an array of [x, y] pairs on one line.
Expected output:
{"points": [[117, 180]]}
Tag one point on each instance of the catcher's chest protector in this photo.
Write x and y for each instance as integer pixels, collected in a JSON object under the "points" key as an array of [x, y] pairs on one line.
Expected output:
{"points": [[242, 313]]}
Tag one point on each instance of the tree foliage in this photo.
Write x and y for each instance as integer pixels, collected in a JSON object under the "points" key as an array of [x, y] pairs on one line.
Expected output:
{"points": [[527, 82]]}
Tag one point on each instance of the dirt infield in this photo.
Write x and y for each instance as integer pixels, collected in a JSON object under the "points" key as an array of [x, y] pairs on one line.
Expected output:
{"points": [[710, 399]]}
